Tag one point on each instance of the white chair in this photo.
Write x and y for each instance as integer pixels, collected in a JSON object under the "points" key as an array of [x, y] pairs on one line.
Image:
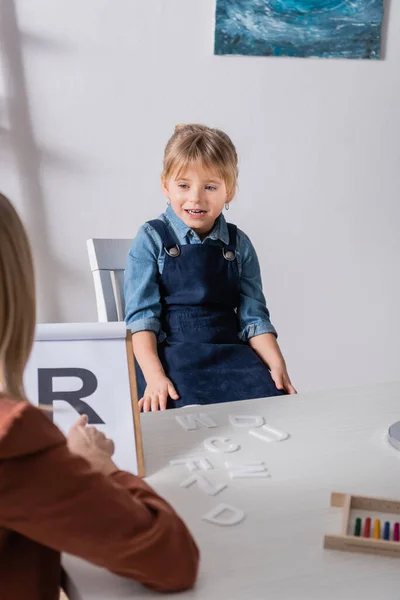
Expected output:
{"points": [[107, 260]]}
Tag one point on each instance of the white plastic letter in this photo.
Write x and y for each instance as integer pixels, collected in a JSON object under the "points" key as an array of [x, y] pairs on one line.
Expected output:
{"points": [[246, 470], [193, 464], [269, 434], [220, 444], [246, 420], [224, 515], [189, 422], [206, 486]]}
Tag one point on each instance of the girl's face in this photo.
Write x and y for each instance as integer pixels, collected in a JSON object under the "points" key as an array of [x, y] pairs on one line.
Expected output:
{"points": [[197, 197]]}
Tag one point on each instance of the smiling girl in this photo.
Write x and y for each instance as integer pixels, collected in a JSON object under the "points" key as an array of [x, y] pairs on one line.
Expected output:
{"points": [[194, 300]]}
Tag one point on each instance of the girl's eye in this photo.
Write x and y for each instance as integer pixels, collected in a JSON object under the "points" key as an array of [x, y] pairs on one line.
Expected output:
{"points": [[184, 186], [211, 188]]}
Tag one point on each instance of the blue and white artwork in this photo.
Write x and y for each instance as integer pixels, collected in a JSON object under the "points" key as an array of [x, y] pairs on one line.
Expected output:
{"points": [[305, 28]]}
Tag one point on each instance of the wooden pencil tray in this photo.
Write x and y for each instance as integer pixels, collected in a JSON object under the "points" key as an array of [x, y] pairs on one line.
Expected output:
{"points": [[351, 543]]}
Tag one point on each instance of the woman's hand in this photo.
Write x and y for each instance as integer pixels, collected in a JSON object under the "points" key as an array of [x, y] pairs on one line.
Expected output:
{"points": [[156, 393], [91, 444]]}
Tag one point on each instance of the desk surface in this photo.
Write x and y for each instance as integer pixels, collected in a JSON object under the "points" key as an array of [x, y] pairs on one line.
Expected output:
{"points": [[337, 443]]}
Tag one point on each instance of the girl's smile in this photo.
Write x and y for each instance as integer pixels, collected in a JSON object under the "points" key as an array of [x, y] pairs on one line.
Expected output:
{"points": [[196, 213]]}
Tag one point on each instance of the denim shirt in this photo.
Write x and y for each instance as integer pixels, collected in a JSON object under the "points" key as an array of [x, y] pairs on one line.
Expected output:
{"points": [[146, 261]]}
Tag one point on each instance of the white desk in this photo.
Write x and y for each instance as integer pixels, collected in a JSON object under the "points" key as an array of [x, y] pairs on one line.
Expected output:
{"points": [[337, 444]]}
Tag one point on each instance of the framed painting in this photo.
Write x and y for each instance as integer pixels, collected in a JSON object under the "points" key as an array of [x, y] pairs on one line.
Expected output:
{"points": [[302, 28]]}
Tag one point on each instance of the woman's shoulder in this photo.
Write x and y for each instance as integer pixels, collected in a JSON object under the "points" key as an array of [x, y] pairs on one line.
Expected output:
{"points": [[25, 429]]}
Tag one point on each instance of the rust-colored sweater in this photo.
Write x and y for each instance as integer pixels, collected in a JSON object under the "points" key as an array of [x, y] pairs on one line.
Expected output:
{"points": [[51, 501]]}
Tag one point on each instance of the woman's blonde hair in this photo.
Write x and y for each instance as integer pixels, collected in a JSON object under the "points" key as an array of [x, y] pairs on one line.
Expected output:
{"points": [[17, 300], [212, 147]]}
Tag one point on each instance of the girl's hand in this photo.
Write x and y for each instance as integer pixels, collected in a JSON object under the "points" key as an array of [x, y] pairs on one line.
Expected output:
{"points": [[156, 394], [91, 444], [281, 379]]}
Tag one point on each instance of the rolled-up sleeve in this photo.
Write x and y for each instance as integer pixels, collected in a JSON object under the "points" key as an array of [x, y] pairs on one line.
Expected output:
{"points": [[254, 317], [142, 294]]}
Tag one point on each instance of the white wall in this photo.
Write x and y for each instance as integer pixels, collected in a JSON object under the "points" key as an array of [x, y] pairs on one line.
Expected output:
{"points": [[83, 131]]}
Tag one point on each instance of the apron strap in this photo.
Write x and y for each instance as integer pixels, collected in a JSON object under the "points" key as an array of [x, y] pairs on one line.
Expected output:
{"points": [[229, 251], [232, 237], [168, 239]]}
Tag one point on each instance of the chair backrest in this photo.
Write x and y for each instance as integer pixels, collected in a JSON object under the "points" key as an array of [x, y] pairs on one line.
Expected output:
{"points": [[107, 260]]}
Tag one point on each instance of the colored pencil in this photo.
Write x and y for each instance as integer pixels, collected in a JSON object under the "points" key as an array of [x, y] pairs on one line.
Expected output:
{"points": [[357, 527], [367, 528], [377, 529], [386, 531]]}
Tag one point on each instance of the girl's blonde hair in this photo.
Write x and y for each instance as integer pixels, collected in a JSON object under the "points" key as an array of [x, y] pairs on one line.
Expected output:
{"points": [[17, 300], [212, 147]]}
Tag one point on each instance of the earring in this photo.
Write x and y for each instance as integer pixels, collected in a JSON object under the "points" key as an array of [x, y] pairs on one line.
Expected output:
{"points": [[168, 201], [226, 205]]}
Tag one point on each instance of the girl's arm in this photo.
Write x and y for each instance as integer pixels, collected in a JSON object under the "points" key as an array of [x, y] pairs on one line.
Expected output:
{"points": [[255, 324], [159, 387], [267, 348], [142, 316]]}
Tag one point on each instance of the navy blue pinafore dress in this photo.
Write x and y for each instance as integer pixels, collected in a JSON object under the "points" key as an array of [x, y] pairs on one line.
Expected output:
{"points": [[202, 354]]}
